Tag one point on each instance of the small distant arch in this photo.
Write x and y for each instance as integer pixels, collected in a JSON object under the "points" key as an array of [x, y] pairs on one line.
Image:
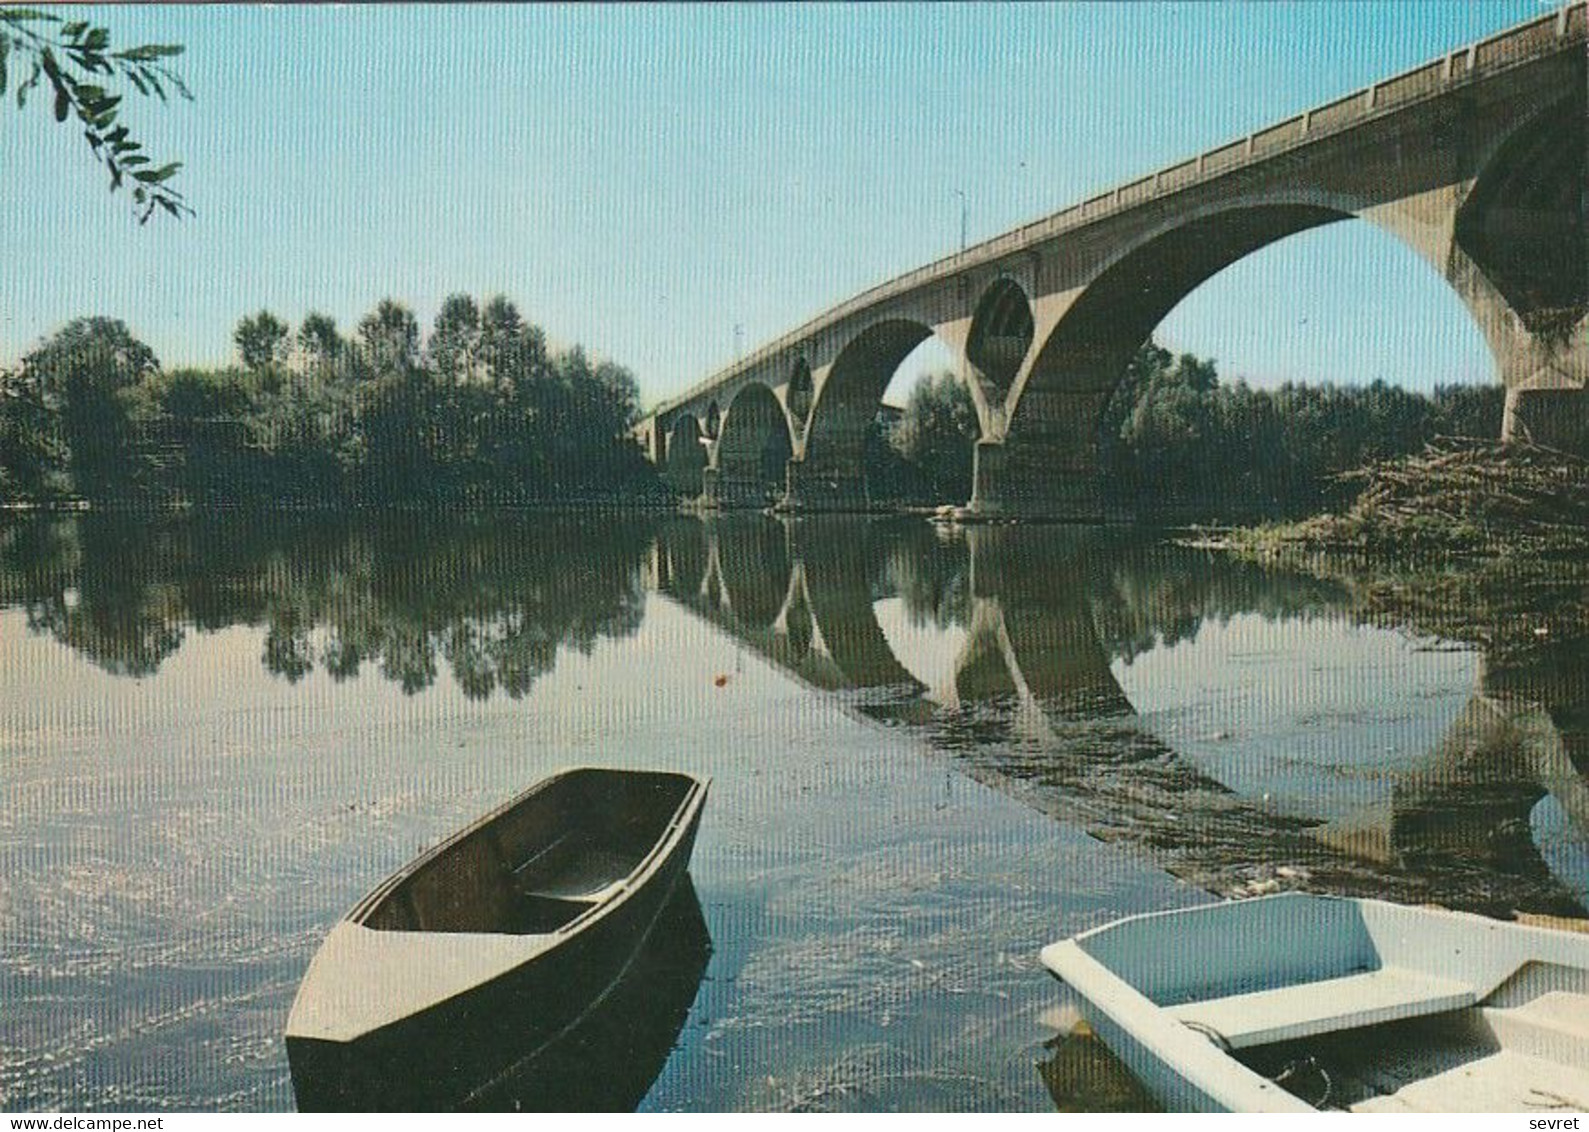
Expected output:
{"points": [[800, 393], [686, 455], [1001, 335], [754, 448]]}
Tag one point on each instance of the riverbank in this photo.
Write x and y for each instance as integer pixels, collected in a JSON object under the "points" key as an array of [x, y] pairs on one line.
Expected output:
{"points": [[1470, 499], [1506, 528]]}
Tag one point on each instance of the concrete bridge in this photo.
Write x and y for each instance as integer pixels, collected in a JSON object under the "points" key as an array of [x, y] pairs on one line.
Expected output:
{"points": [[1033, 710], [1476, 160]]}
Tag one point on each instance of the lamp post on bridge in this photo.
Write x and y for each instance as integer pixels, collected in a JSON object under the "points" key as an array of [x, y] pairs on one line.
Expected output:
{"points": [[965, 216]]}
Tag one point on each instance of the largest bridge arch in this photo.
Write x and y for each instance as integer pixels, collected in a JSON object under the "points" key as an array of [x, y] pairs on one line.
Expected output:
{"points": [[1475, 160]]}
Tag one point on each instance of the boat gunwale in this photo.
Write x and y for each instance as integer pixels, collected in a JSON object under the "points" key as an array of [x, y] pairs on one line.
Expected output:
{"points": [[662, 847], [1182, 1062]]}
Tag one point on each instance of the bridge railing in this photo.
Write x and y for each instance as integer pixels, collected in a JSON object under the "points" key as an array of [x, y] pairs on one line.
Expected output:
{"points": [[1520, 43]]}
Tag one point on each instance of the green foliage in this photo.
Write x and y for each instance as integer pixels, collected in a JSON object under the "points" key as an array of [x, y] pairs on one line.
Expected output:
{"points": [[262, 340], [1174, 438], [937, 436], [76, 59], [86, 375], [32, 449], [483, 415]]}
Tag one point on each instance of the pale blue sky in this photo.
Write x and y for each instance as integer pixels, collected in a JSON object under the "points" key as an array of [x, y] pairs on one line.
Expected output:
{"points": [[643, 179]]}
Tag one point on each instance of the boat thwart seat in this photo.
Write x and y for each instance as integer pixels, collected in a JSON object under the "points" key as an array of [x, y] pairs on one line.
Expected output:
{"points": [[1301, 1010]]}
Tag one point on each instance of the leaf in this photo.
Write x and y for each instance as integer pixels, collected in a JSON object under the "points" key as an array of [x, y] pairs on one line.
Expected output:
{"points": [[137, 82], [18, 15], [63, 104], [155, 176], [5, 46], [22, 91], [97, 39], [135, 159], [149, 52], [74, 29]]}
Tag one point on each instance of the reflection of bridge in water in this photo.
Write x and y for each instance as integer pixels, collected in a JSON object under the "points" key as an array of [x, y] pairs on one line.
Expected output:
{"points": [[1033, 709]]}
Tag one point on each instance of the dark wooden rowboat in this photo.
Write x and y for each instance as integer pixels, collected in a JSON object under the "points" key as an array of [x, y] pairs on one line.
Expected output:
{"points": [[547, 899]]}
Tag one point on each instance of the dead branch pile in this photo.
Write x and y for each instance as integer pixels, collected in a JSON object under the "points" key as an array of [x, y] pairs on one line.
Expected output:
{"points": [[1465, 497]]}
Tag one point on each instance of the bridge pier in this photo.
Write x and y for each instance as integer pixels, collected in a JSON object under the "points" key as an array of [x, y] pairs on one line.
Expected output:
{"points": [[1556, 418], [815, 487], [1021, 479], [711, 481], [724, 488]]}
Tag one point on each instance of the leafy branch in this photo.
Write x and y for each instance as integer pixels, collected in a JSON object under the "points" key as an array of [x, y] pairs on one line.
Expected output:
{"points": [[75, 58]]}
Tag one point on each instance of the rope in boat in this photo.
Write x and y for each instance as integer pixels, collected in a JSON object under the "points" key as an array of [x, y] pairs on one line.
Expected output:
{"points": [[1308, 1062], [1291, 1069]]}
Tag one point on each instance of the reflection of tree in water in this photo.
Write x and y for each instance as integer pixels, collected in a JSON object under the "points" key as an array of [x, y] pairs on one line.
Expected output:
{"points": [[97, 586], [1156, 597], [931, 574], [1142, 597], [492, 599]]}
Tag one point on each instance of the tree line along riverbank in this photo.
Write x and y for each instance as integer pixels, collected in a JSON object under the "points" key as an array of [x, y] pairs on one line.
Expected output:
{"points": [[484, 412]]}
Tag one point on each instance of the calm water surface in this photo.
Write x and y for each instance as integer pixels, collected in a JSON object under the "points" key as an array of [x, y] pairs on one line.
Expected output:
{"points": [[933, 752]]}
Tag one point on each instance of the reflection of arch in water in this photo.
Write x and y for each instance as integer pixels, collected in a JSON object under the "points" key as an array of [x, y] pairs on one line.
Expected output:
{"points": [[1033, 710], [751, 555], [838, 559], [1468, 805], [681, 557], [800, 594], [1031, 632], [1036, 712]]}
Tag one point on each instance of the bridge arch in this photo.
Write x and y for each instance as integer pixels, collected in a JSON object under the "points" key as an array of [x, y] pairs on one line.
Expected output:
{"points": [[1525, 222], [801, 394], [685, 455], [754, 446], [831, 471], [1048, 460], [1001, 336]]}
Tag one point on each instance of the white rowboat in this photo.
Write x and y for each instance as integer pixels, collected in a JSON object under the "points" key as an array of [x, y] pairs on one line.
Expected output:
{"points": [[1296, 1002]]}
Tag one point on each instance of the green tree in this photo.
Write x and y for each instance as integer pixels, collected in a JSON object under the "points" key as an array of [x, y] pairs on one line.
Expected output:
{"points": [[389, 336], [318, 340], [32, 449], [76, 59], [83, 372], [454, 345], [938, 434], [262, 341]]}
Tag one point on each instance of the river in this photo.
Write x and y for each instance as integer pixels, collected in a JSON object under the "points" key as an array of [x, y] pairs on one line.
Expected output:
{"points": [[933, 751]]}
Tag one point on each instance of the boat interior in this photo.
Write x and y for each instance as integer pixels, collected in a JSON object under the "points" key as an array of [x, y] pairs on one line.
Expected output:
{"points": [[1373, 1008], [1523, 1049], [540, 864]]}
